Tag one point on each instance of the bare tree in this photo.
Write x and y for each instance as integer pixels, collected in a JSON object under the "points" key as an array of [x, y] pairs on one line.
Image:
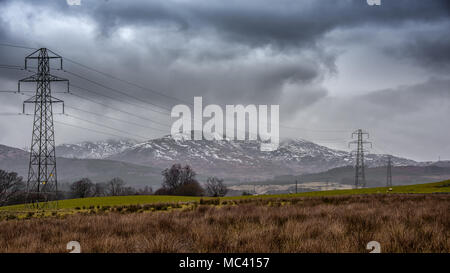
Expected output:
{"points": [[180, 180], [187, 175], [215, 187], [128, 191], [172, 177], [82, 188], [115, 186], [145, 191], [192, 188], [10, 186], [99, 189]]}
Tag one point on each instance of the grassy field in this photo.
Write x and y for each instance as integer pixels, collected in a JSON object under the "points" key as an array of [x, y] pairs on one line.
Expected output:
{"points": [[438, 187], [405, 219], [342, 223]]}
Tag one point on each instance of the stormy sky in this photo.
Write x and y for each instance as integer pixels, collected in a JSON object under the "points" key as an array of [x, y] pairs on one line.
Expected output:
{"points": [[332, 66]]}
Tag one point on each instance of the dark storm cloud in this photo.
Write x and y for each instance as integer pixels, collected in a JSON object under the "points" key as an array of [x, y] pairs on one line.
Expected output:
{"points": [[285, 25], [245, 52], [255, 22], [235, 28], [427, 48], [297, 23], [278, 23], [210, 21]]}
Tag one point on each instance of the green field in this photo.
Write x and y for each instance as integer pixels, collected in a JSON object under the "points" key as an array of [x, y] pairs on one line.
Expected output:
{"points": [[439, 187]]}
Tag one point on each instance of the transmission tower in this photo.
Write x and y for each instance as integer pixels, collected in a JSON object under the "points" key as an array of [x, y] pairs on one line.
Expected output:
{"points": [[42, 183], [360, 176], [389, 172]]}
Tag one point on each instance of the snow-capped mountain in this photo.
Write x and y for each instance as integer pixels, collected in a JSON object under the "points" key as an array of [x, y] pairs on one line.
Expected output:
{"points": [[237, 160], [93, 150]]}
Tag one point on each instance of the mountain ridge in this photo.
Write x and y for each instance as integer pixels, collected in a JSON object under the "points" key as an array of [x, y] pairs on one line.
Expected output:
{"points": [[239, 160]]}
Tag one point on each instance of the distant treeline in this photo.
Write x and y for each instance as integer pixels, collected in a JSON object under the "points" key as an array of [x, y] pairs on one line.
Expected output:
{"points": [[177, 180], [375, 177]]}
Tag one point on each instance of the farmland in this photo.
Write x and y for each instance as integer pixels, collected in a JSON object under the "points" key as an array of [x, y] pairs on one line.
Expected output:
{"points": [[406, 219], [438, 187]]}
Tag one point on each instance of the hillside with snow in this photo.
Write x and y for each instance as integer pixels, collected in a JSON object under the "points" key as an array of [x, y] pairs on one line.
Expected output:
{"points": [[235, 160]]}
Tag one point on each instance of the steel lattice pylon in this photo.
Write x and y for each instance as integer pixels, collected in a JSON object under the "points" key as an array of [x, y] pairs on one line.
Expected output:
{"points": [[389, 172], [360, 175], [42, 183]]}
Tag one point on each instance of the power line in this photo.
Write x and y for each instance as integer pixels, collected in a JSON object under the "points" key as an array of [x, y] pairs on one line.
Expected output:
{"points": [[10, 65], [104, 126], [124, 81], [144, 88], [87, 129], [117, 109], [113, 98], [117, 91], [171, 97], [10, 114], [18, 92], [17, 46], [72, 125], [312, 130], [102, 73], [116, 119]]}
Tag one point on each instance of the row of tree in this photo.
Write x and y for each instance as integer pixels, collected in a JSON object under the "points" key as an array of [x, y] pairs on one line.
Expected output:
{"points": [[180, 180], [115, 187], [177, 180]]}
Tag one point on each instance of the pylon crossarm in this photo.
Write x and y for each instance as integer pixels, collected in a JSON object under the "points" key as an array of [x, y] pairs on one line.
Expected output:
{"points": [[32, 78], [31, 54], [53, 78], [48, 100]]}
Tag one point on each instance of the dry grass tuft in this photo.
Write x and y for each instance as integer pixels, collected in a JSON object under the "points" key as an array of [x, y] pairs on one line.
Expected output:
{"points": [[401, 223]]}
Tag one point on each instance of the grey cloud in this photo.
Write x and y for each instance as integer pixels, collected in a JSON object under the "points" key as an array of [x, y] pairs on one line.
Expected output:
{"points": [[409, 120], [384, 105], [278, 23], [427, 48], [245, 52]]}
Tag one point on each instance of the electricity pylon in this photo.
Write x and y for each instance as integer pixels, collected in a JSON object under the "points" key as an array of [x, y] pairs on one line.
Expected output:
{"points": [[360, 176], [389, 172], [42, 183]]}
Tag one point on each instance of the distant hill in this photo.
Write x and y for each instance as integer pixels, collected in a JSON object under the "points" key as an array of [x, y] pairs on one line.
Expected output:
{"points": [[98, 170], [401, 175], [94, 150], [236, 161], [141, 163]]}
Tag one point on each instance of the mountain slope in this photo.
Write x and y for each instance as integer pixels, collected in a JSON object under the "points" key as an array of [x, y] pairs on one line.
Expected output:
{"points": [[243, 160], [94, 150], [376, 176], [69, 170]]}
